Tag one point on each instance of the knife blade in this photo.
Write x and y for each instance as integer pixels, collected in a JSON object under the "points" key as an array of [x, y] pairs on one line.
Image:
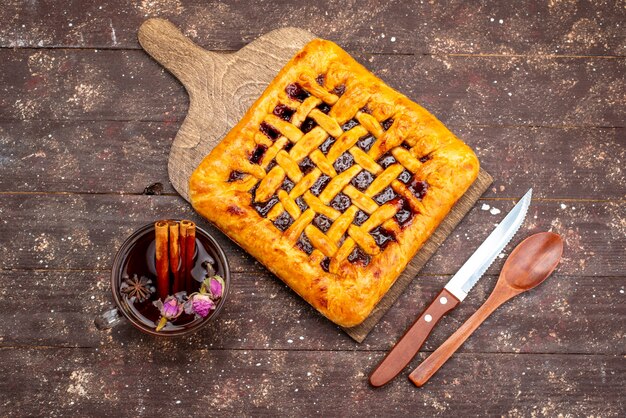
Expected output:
{"points": [[453, 293]]}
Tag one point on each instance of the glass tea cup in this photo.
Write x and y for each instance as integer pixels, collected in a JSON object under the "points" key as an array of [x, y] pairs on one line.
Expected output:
{"points": [[136, 259]]}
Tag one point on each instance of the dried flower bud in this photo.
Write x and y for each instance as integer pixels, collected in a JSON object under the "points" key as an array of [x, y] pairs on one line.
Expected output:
{"points": [[170, 309], [202, 305], [216, 286]]}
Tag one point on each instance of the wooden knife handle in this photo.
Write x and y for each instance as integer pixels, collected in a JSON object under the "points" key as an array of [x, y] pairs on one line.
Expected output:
{"points": [[429, 367], [413, 339]]}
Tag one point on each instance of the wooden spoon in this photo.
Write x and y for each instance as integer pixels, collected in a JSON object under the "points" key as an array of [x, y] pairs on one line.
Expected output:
{"points": [[530, 263]]}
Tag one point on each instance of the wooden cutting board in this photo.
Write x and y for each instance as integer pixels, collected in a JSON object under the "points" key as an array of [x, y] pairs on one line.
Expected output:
{"points": [[222, 87]]}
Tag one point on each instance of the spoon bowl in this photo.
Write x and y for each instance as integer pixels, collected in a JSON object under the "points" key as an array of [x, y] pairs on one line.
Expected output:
{"points": [[532, 261]]}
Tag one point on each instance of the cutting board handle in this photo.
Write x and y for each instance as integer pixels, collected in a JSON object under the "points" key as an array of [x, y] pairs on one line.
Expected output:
{"points": [[166, 44]]}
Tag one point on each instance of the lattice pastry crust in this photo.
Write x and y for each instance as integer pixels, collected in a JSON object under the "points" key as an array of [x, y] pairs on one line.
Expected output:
{"points": [[333, 181]]}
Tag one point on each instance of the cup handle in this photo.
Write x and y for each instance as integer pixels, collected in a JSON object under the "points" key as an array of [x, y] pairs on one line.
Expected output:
{"points": [[108, 319]]}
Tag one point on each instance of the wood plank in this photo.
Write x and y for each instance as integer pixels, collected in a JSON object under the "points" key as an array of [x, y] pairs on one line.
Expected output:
{"points": [[460, 90], [178, 379], [568, 315], [126, 157], [78, 231], [486, 26], [84, 157], [571, 163], [511, 91]]}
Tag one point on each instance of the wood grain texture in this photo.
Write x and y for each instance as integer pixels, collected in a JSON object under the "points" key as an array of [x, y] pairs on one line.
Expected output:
{"points": [[90, 85], [566, 317], [87, 382], [214, 83], [579, 27]]}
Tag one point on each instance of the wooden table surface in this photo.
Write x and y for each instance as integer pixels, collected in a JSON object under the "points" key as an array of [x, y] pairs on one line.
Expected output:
{"points": [[86, 121]]}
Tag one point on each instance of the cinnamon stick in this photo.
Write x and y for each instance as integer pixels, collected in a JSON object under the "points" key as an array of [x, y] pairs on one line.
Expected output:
{"points": [[175, 256], [182, 271], [161, 229], [188, 241]]}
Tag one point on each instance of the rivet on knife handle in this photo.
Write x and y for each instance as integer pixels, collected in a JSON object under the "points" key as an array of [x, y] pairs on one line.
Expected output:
{"points": [[413, 339]]}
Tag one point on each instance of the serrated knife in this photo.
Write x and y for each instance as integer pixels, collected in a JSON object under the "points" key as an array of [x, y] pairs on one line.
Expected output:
{"points": [[452, 294]]}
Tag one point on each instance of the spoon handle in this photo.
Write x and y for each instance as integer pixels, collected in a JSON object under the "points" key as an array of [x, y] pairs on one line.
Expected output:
{"points": [[429, 367]]}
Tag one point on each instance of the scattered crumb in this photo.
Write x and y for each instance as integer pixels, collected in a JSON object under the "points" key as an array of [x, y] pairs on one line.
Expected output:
{"points": [[494, 211], [86, 96], [156, 7], [485, 206], [80, 379], [563, 205]]}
